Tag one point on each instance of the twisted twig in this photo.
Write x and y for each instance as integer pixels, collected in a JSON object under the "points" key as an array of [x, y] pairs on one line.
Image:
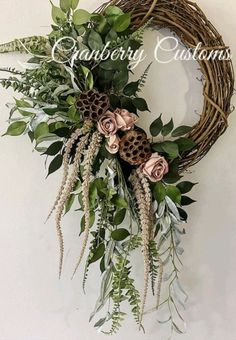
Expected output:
{"points": [[91, 153], [69, 187]]}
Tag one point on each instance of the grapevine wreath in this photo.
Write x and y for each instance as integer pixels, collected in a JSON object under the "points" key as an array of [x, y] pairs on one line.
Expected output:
{"points": [[83, 115]]}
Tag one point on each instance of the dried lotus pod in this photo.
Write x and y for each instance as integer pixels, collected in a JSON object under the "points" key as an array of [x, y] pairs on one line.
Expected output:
{"points": [[135, 147], [93, 105]]}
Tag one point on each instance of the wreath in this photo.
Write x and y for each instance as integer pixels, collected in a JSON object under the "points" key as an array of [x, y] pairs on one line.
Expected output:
{"points": [[84, 114]]}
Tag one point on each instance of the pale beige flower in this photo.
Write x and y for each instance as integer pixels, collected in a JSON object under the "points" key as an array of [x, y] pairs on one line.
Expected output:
{"points": [[107, 124], [125, 119], [155, 168], [112, 144]]}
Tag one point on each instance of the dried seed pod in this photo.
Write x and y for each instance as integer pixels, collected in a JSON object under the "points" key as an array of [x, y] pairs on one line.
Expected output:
{"points": [[135, 147], [93, 105]]}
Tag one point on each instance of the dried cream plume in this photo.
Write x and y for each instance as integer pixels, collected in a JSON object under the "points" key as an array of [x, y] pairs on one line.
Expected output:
{"points": [[87, 173], [148, 196], [66, 158], [66, 193], [144, 216]]}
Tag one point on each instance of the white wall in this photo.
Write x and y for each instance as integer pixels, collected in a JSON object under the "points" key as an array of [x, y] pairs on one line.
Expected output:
{"points": [[34, 305]]}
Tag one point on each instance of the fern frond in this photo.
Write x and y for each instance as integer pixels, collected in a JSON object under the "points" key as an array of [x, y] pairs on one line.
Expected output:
{"points": [[16, 84], [138, 34], [153, 255], [34, 44], [143, 78], [11, 70]]}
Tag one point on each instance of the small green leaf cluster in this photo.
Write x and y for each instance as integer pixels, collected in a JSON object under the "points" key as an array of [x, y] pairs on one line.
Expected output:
{"points": [[176, 193], [123, 289], [172, 149]]}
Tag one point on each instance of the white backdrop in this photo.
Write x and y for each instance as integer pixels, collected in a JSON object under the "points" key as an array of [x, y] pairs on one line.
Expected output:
{"points": [[35, 305]]}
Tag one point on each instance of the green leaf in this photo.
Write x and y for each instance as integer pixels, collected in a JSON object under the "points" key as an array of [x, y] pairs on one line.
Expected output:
{"points": [[114, 65], [41, 130], [120, 234], [81, 17], [156, 127], [171, 178], [185, 144], [74, 4], [55, 164], [46, 138], [185, 200], [167, 128], [185, 186], [113, 10], [62, 132], [159, 192], [54, 148], [69, 203], [171, 148], [119, 202], [88, 77], [73, 114], [95, 41], [21, 104], [82, 222], [93, 195], [52, 111], [99, 252], [119, 216], [114, 101], [157, 147], [16, 129], [122, 22], [183, 214], [111, 36], [140, 104], [65, 5], [103, 26], [181, 131], [120, 79], [127, 103], [57, 14], [174, 193], [131, 89]]}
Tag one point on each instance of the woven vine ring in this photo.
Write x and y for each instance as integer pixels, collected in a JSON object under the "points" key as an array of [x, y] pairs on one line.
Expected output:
{"points": [[192, 27]]}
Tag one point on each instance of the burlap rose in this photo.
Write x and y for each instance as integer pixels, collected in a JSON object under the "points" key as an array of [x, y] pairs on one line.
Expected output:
{"points": [[125, 119], [107, 124], [112, 144], [155, 168]]}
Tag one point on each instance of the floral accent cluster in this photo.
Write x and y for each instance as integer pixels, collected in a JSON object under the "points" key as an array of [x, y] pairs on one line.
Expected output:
{"points": [[111, 122], [109, 125]]}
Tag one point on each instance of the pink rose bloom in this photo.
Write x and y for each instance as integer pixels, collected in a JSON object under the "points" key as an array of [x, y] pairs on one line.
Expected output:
{"points": [[112, 144], [155, 168], [125, 120], [107, 124]]}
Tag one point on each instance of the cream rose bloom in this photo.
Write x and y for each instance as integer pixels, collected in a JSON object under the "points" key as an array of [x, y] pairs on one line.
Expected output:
{"points": [[107, 124], [112, 144], [155, 168], [125, 120]]}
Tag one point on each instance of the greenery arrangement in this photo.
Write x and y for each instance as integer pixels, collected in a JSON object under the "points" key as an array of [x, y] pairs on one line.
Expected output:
{"points": [[84, 118]]}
